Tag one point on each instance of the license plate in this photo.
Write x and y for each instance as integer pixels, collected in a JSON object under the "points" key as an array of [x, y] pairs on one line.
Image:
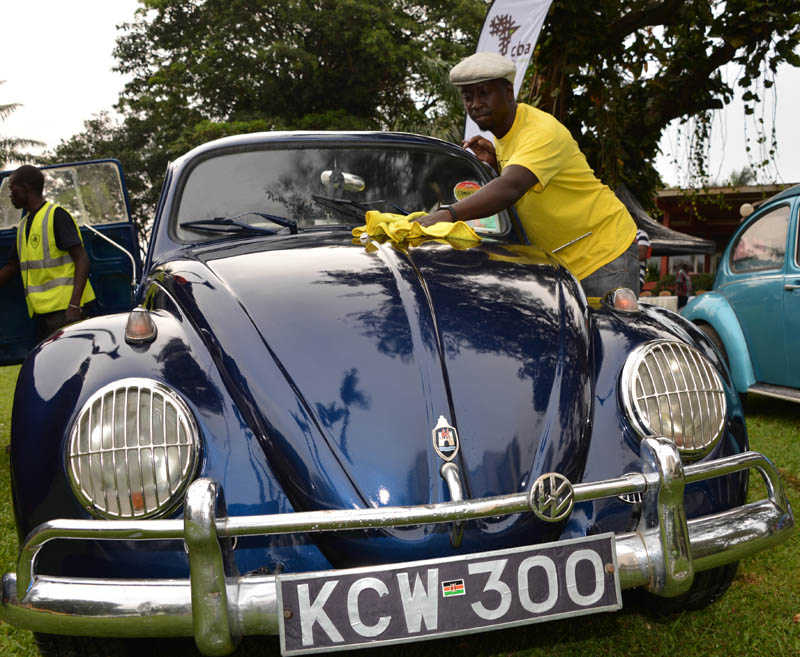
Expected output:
{"points": [[364, 607]]}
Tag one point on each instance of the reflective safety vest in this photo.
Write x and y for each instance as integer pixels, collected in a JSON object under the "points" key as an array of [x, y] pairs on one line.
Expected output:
{"points": [[48, 273]]}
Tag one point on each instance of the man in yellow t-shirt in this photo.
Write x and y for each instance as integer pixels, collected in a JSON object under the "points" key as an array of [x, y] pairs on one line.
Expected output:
{"points": [[563, 207]]}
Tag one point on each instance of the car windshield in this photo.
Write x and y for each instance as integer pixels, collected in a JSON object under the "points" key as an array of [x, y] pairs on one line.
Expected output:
{"points": [[320, 187]]}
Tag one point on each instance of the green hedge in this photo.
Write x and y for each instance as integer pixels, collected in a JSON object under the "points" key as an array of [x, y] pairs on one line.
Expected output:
{"points": [[699, 282]]}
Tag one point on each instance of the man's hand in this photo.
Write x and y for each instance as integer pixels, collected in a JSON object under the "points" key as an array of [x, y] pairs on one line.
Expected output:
{"points": [[493, 197], [434, 218], [483, 149], [72, 315], [8, 271]]}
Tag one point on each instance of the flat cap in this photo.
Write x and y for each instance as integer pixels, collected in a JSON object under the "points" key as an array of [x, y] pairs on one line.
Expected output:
{"points": [[483, 66]]}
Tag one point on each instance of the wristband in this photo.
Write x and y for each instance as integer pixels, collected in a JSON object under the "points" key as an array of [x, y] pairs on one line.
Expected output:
{"points": [[451, 210], [72, 305]]}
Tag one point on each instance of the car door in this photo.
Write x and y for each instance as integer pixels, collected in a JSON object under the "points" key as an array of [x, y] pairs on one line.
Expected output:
{"points": [[791, 303], [754, 287], [94, 193]]}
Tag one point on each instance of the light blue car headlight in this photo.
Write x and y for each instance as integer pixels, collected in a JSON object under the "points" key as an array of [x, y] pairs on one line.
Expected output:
{"points": [[132, 450], [672, 390]]}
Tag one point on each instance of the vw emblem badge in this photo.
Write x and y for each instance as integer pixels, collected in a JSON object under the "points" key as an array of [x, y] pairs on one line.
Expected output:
{"points": [[552, 497], [445, 439]]}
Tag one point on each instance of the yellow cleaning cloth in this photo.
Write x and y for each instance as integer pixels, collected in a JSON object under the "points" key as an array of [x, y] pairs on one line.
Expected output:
{"points": [[399, 228]]}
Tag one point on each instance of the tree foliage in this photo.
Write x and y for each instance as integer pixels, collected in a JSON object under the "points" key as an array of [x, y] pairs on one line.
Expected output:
{"points": [[207, 68], [13, 148], [617, 73]]}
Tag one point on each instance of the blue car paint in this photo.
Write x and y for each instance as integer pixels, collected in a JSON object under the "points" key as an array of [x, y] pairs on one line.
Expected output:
{"points": [[750, 309], [714, 309], [297, 413], [614, 447], [326, 435], [42, 490]]}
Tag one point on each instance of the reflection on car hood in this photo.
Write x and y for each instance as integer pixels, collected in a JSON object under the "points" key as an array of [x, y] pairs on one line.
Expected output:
{"points": [[354, 353]]}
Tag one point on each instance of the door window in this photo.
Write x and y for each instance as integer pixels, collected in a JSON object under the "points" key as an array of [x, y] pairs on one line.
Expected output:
{"points": [[91, 192], [762, 245]]}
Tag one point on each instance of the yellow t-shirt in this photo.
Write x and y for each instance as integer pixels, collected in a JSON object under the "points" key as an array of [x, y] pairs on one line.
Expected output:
{"points": [[568, 201]]}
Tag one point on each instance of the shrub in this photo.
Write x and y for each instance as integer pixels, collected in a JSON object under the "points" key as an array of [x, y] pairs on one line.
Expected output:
{"points": [[702, 281], [666, 283]]}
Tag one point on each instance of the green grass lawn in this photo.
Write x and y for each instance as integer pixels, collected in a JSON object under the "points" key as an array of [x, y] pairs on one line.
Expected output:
{"points": [[760, 614]]}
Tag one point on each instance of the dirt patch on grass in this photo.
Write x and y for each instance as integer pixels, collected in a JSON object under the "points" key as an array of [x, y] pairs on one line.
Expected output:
{"points": [[751, 579], [790, 479]]}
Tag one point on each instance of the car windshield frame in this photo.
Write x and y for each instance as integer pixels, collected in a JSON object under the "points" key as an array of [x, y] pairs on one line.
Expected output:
{"points": [[190, 189]]}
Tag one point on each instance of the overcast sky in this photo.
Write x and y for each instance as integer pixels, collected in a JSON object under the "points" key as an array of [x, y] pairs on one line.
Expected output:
{"points": [[69, 80]]}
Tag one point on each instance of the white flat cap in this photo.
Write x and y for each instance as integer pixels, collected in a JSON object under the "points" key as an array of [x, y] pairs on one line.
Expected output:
{"points": [[483, 66]]}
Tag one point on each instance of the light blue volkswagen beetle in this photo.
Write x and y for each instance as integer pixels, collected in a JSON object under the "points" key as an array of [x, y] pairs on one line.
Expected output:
{"points": [[753, 312]]}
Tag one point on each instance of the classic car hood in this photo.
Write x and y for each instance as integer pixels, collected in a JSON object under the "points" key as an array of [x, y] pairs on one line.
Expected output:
{"points": [[354, 353]]}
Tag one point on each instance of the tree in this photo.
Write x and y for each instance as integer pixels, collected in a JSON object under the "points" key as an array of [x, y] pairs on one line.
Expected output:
{"points": [[103, 137], [207, 68], [617, 73], [745, 176], [12, 148]]}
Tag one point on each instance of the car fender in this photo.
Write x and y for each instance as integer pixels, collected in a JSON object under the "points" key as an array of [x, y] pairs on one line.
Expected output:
{"points": [[62, 373], [713, 308]]}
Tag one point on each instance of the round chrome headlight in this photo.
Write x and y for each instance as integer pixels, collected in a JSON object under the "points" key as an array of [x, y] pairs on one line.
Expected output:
{"points": [[132, 450], [672, 390]]}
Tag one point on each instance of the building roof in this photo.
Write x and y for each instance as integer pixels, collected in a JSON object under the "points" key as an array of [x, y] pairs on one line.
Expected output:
{"points": [[663, 240]]}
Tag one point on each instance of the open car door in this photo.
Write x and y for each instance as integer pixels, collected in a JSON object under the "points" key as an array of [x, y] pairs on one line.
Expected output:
{"points": [[94, 193]]}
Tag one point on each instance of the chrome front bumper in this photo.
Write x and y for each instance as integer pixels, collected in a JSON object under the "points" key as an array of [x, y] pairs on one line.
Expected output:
{"points": [[217, 607]]}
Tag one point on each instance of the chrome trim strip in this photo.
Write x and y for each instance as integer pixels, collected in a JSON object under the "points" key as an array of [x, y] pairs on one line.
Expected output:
{"points": [[777, 392], [216, 605], [103, 236], [452, 475]]}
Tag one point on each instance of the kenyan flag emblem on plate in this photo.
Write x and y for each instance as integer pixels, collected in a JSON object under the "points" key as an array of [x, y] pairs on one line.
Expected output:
{"points": [[452, 588]]}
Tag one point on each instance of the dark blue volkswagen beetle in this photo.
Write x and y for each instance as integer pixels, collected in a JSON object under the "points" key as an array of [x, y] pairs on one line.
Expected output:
{"points": [[350, 442]]}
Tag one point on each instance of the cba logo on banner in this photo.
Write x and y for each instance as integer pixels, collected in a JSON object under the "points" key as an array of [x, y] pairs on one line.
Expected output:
{"points": [[503, 27]]}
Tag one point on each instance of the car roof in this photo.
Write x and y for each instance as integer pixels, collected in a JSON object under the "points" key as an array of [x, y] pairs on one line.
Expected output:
{"points": [[321, 137], [794, 190]]}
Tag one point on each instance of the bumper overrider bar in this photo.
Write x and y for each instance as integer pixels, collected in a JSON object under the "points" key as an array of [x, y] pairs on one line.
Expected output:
{"points": [[217, 606]]}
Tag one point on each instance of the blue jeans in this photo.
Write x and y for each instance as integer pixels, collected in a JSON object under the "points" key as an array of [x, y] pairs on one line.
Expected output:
{"points": [[623, 271]]}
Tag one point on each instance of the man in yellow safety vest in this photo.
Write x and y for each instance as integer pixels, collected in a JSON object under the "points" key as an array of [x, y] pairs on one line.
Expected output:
{"points": [[49, 254]]}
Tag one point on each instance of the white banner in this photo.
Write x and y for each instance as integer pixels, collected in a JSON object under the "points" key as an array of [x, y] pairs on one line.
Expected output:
{"points": [[511, 28]]}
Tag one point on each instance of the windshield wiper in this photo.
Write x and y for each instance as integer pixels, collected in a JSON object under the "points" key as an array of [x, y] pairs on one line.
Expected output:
{"points": [[354, 209], [231, 225]]}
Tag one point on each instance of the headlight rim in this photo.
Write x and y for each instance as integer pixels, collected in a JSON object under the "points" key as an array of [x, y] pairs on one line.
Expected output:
{"points": [[175, 499], [640, 425]]}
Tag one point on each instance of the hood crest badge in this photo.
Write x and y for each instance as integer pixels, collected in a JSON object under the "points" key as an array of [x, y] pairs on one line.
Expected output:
{"points": [[445, 439]]}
